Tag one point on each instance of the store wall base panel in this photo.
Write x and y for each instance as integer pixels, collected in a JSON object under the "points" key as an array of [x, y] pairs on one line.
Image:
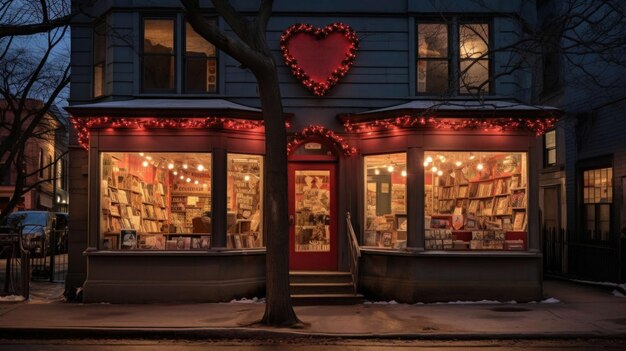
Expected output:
{"points": [[413, 278], [118, 278]]}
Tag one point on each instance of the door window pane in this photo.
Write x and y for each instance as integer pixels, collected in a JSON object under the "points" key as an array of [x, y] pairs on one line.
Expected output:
{"points": [[312, 206], [245, 201], [385, 201]]}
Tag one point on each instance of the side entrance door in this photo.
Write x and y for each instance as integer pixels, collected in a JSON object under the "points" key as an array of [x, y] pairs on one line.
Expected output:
{"points": [[313, 216]]}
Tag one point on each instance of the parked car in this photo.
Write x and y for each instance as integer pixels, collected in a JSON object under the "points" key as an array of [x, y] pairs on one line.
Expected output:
{"points": [[37, 229]]}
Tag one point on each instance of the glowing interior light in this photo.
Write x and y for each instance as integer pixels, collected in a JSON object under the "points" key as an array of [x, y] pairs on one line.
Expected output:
{"points": [[188, 180], [403, 173], [148, 157], [246, 178], [472, 157], [458, 163], [182, 177], [144, 163], [439, 173], [185, 166], [480, 166], [141, 154], [175, 173], [390, 169], [377, 171], [200, 168], [443, 159], [196, 182], [429, 159], [434, 169], [170, 166], [425, 164]]}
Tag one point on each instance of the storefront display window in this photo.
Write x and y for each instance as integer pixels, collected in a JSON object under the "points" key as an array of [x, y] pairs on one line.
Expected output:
{"points": [[245, 201], [385, 201], [475, 200], [155, 201]]}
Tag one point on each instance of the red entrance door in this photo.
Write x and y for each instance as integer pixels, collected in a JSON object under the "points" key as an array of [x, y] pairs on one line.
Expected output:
{"points": [[313, 214]]}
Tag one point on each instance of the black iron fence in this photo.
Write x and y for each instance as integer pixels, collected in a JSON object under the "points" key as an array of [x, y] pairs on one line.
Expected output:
{"points": [[52, 264], [564, 254]]}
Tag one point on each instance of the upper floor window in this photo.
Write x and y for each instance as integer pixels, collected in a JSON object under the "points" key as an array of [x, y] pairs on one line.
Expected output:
{"points": [[444, 66], [200, 63], [549, 142], [597, 199], [99, 59], [158, 62], [41, 162]]}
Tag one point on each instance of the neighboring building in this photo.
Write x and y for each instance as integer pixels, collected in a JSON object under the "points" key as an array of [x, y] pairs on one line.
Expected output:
{"points": [[48, 146], [428, 141], [584, 175]]}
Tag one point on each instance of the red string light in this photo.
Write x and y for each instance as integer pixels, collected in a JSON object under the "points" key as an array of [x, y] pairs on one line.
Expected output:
{"points": [[320, 131], [320, 88], [537, 126], [84, 125]]}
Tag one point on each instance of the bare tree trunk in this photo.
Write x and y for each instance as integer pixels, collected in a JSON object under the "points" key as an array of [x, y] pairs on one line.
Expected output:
{"points": [[278, 309]]}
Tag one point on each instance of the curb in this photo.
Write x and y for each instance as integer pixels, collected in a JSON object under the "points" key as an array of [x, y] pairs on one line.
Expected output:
{"points": [[259, 334]]}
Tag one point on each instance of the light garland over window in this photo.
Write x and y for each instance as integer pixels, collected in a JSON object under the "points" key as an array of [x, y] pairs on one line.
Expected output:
{"points": [[323, 132], [84, 125], [537, 126]]}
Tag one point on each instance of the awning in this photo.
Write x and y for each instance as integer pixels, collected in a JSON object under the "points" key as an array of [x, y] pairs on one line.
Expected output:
{"points": [[455, 114], [454, 108], [186, 108]]}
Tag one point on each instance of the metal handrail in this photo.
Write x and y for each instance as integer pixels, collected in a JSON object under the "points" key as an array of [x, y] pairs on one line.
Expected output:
{"points": [[355, 252]]}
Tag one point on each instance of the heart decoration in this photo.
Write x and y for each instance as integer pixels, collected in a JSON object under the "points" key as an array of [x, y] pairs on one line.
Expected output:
{"points": [[319, 57]]}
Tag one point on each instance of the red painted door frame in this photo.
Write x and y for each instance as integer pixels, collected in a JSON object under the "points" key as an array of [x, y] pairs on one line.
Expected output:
{"points": [[313, 260]]}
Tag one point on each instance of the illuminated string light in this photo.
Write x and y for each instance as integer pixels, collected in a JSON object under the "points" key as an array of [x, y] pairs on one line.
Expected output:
{"points": [[319, 88], [440, 173], [377, 171], [144, 163], [322, 132], [200, 168], [458, 163], [390, 168], [175, 173], [538, 126], [170, 166], [403, 173], [185, 166], [196, 182], [246, 178], [480, 166], [429, 159], [188, 180], [434, 169]]}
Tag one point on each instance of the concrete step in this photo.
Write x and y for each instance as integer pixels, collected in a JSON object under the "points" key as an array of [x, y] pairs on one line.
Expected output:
{"points": [[326, 299], [321, 288], [319, 277]]}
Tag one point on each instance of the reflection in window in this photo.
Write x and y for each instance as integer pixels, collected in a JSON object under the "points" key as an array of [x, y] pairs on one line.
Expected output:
{"points": [[245, 201], [474, 58], [200, 63], [155, 201], [475, 200], [385, 201], [432, 62], [597, 198], [158, 54]]}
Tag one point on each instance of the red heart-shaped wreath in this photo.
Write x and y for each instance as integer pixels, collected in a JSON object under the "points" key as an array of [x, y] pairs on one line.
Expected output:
{"points": [[319, 57]]}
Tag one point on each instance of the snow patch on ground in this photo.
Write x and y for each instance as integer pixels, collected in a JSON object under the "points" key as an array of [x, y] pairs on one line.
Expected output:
{"points": [[551, 300], [11, 298], [618, 293], [591, 282], [246, 300], [392, 302], [480, 302]]}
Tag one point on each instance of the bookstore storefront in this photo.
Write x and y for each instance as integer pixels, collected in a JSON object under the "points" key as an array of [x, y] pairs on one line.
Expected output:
{"points": [[175, 203], [447, 202]]}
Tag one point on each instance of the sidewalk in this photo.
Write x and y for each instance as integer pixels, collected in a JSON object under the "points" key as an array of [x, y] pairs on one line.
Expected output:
{"points": [[582, 311]]}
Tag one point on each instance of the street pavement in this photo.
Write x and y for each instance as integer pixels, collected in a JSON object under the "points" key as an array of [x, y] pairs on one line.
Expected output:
{"points": [[570, 311]]}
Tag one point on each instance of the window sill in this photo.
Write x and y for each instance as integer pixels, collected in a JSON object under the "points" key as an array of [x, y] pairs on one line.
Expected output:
{"points": [[439, 253], [183, 253]]}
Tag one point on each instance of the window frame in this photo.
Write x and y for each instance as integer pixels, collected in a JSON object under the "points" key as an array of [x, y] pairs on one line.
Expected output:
{"points": [[468, 21], [96, 61], [454, 24], [143, 54], [590, 165], [546, 150], [185, 58], [448, 58]]}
